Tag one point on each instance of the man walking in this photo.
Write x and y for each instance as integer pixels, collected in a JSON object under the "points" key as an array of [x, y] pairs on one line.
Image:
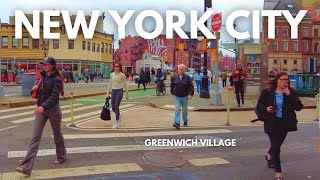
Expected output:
{"points": [[224, 77], [239, 75], [183, 90]]}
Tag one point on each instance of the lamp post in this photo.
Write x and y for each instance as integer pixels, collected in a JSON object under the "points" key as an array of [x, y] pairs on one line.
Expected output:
{"points": [[205, 91]]}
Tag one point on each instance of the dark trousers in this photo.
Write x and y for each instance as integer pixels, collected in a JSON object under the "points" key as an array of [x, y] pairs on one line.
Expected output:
{"points": [[239, 91], [276, 138], [143, 83], [116, 98], [224, 83], [54, 115]]}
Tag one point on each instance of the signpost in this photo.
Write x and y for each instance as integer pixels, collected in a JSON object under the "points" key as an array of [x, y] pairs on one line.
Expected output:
{"points": [[216, 22]]}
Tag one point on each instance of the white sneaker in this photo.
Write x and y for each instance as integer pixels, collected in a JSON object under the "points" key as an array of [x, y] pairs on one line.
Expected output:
{"points": [[115, 125]]}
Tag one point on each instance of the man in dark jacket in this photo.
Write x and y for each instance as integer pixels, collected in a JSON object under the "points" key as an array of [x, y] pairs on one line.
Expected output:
{"points": [[49, 90], [183, 90]]}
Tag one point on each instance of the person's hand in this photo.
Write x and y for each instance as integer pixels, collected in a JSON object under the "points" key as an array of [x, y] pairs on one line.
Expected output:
{"points": [[39, 110], [190, 97], [286, 91], [35, 87], [237, 72], [271, 109]]}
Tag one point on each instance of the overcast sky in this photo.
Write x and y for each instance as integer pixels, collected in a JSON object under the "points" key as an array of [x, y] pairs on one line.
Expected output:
{"points": [[8, 8]]}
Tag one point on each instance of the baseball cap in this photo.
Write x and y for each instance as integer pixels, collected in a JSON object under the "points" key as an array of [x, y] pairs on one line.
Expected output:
{"points": [[48, 60]]}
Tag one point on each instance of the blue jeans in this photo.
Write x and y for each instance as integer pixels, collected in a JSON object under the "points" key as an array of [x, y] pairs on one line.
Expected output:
{"points": [[181, 102], [209, 84], [198, 82], [116, 98]]}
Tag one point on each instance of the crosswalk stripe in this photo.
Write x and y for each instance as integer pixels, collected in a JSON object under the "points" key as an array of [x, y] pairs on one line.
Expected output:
{"points": [[145, 134], [76, 172], [94, 113], [208, 161], [31, 112], [3, 129], [97, 149], [173, 107], [63, 112], [17, 109]]}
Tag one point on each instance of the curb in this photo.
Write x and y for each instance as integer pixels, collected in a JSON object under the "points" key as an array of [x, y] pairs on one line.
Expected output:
{"points": [[219, 109], [33, 102]]}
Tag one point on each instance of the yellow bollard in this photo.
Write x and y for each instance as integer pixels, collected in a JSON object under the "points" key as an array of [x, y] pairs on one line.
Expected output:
{"points": [[228, 106], [71, 111]]}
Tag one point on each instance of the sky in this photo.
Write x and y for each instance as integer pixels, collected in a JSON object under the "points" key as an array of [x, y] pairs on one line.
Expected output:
{"points": [[226, 7]]}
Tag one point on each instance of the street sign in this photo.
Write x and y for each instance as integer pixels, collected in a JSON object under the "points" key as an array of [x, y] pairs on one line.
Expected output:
{"points": [[211, 44], [216, 22]]}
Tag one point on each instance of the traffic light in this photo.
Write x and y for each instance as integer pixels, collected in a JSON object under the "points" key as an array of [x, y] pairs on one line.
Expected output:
{"points": [[181, 47]]}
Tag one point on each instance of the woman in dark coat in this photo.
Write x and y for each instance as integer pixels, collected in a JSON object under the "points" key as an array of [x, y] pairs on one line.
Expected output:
{"points": [[276, 108], [143, 79]]}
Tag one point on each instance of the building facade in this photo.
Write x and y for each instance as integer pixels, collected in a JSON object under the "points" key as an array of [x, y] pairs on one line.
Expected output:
{"points": [[286, 54]]}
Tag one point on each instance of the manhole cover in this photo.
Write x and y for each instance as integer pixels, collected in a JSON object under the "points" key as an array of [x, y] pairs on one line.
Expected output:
{"points": [[164, 159]]}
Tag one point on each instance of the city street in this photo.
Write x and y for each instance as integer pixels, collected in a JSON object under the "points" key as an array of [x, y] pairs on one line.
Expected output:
{"points": [[96, 151]]}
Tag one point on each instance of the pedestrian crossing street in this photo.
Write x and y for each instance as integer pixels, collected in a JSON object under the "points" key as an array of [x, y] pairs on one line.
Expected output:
{"points": [[132, 166]]}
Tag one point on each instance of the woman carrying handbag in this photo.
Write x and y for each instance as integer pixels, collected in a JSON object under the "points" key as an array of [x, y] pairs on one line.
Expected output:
{"points": [[276, 108], [117, 83]]}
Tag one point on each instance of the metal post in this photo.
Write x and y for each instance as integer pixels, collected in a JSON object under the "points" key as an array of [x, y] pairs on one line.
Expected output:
{"points": [[228, 108], [317, 107], [71, 111], [216, 96]]}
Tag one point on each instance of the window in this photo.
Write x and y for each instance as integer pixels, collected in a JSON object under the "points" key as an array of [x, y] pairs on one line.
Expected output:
{"points": [[110, 48], [305, 46], [275, 45], [295, 46], [275, 61], [106, 48], [305, 32], [315, 47], [295, 62], [25, 42], [285, 61], [71, 44], [285, 31], [88, 46], [83, 45], [35, 43], [276, 31], [15, 42], [5, 42], [93, 47], [285, 46], [55, 44], [98, 47], [102, 47], [316, 33]]}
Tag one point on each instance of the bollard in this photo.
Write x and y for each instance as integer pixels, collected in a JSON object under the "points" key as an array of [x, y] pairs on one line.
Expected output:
{"points": [[317, 107], [228, 107], [71, 111]]}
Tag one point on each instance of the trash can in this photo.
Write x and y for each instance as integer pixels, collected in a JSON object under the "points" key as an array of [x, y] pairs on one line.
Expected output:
{"points": [[28, 80]]}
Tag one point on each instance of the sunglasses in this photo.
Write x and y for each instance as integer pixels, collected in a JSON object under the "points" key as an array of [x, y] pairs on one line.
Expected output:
{"points": [[284, 80]]}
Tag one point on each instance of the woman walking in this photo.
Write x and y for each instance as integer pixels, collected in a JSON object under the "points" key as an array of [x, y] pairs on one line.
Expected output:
{"points": [[117, 84], [276, 108], [48, 108], [197, 79], [143, 79]]}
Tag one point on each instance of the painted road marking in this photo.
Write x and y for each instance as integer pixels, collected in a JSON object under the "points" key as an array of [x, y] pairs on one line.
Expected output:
{"points": [[94, 118], [3, 129], [94, 113], [17, 109], [31, 112], [208, 161], [76, 172], [100, 149], [63, 112], [173, 107], [145, 134]]}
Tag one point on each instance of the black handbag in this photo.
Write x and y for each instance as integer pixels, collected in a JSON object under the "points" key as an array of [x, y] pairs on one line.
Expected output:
{"points": [[105, 113]]}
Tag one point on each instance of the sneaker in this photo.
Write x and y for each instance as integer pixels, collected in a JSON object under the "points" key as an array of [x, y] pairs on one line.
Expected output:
{"points": [[22, 171], [185, 124], [115, 125], [238, 105], [59, 161], [176, 125]]}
